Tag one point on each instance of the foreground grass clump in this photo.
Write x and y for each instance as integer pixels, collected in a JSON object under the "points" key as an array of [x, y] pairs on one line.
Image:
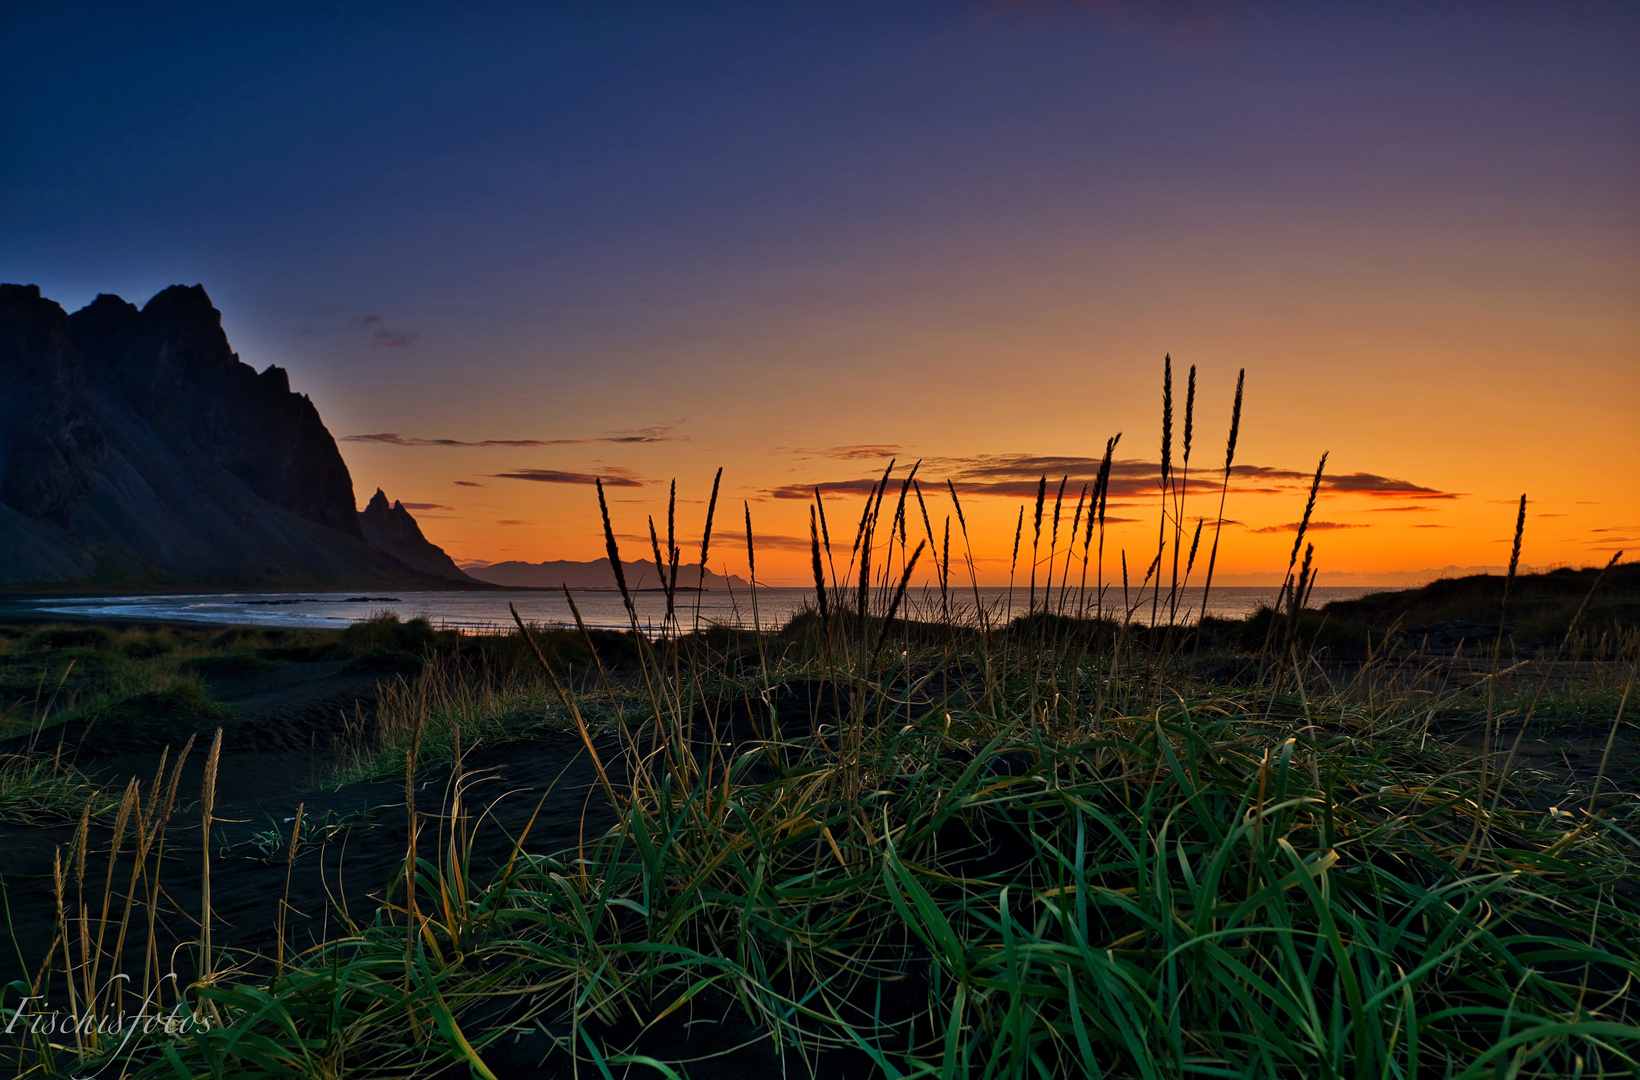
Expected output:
{"points": [[452, 695], [974, 862], [35, 790]]}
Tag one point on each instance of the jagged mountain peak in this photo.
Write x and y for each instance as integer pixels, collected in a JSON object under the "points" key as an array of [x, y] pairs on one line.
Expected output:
{"points": [[105, 316], [393, 529], [138, 451]]}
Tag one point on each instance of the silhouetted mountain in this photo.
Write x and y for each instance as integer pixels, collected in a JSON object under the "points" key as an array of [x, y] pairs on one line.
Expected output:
{"points": [[138, 452], [392, 529], [593, 575]]}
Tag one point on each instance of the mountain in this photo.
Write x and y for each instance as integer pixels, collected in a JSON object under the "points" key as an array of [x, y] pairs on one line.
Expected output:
{"points": [[138, 453], [392, 529], [593, 575]]}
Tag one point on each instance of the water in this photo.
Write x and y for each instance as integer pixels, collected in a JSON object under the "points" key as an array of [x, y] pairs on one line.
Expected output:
{"points": [[486, 611]]}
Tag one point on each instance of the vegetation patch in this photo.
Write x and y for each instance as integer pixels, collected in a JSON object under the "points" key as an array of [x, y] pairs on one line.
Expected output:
{"points": [[181, 708]]}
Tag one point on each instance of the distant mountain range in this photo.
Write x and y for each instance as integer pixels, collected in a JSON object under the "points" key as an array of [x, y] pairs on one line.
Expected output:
{"points": [[137, 453], [593, 575]]}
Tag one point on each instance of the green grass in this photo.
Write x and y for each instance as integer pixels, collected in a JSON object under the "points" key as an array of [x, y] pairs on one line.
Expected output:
{"points": [[458, 696], [36, 789], [1027, 857]]}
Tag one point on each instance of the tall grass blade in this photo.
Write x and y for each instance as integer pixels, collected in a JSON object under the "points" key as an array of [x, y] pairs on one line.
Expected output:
{"points": [[1224, 490]]}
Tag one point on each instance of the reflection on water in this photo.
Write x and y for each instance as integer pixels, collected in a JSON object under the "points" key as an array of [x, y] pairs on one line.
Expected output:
{"points": [[479, 611]]}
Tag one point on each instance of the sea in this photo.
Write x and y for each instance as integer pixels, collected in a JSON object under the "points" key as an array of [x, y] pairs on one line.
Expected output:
{"points": [[769, 608]]}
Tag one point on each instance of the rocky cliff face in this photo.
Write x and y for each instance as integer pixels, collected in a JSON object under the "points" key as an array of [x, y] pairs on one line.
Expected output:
{"points": [[48, 443], [391, 528], [138, 452], [171, 364]]}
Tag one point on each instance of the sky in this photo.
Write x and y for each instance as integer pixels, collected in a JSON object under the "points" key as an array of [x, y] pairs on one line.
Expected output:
{"points": [[507, 248]]}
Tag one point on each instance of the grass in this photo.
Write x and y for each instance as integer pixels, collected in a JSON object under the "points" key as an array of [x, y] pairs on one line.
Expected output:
{"points": [[61, 674], [1002, 878], [36, 789], [1541, 607], [980, 846], [453, 696]]}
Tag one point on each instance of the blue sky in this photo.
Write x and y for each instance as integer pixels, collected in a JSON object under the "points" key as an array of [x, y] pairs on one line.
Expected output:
{"points": [[774, 227]]}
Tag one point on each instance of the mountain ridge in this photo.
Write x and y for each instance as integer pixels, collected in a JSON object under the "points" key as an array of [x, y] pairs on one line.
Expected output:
{"points": [[139, 453]]}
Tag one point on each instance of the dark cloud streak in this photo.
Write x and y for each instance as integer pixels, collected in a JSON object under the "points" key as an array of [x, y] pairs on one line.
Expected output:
{"points": [[555, 476], [654, 433], [384, 337], [1314, 526], [1015, 476]]}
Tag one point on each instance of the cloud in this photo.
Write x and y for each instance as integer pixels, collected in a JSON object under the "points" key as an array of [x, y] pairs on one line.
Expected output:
{"points": [[869, 450], [386, 338], [1400, 509], [853, 452], [1314, 526], [393, 438], [425, 506], [1012, 476], [1016, 476], [1356, 483], [806, 491], [623, 478], [468, 483], [737, 540], [654, 433], [856, 452], [1019, 473]]}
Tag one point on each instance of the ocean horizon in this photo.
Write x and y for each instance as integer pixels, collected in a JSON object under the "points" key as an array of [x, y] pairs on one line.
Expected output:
{"points": [[482, 612]]}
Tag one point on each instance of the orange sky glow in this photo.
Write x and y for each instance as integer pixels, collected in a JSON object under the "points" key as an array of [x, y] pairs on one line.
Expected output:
{"points": [[1460, 364], [507, 249]]}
